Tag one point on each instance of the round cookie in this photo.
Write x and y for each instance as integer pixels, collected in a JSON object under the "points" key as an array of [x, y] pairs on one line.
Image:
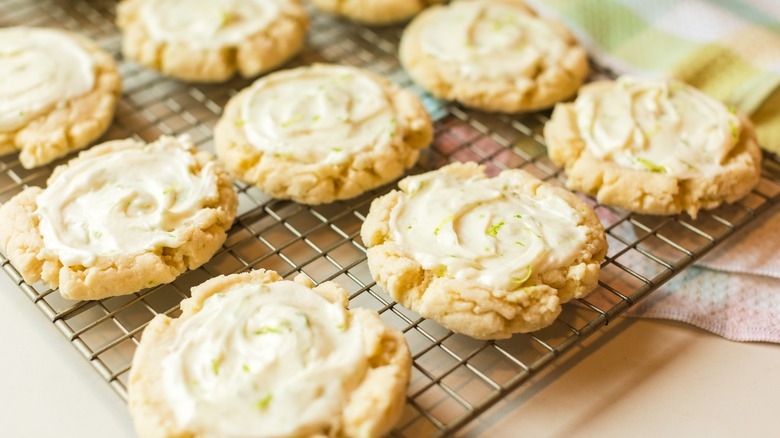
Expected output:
{"points": [[493, 55], [374, 12], [255, 355], [209, 41], [120, 217], [58, 93], [321, 133], [653, 146], [486, 257]]}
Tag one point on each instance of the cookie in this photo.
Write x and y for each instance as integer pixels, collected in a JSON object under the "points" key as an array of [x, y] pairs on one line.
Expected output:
{"points": [[120, 217], [374, 12], [321, 133], [654, 146], [486, 257], [58, 93], [208, 41], [255, 355], [493, 55]]}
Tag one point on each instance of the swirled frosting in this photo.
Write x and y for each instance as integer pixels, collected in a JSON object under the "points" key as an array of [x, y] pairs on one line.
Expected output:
{"points": [[124, 200], [40, 68], [661, 126], [483, 230], [209, 23], [318, 114], [274, 358], [491, 40]]}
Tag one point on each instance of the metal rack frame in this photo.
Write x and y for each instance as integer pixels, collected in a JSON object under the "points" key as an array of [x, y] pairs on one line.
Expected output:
{"points": [[455, 378]]}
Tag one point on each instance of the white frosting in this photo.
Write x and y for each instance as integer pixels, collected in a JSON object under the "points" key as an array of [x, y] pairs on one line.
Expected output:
{"points": [[263, 359], [661, 126], [482, 230], [209, 23], [318, 114], [125, 201], [491, 40], [39, 69]]}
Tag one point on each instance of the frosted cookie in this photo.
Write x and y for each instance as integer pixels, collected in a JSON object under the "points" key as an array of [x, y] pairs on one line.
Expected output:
{"points": [[654, 146], [58, 93], [120, 217], [377, 12], [486, 257], [253, 355], [209, 41], [493, 55], [321, 133]]}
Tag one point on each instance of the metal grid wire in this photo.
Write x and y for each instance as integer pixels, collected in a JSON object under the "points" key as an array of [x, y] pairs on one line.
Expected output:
{"points": [[454, 378]]}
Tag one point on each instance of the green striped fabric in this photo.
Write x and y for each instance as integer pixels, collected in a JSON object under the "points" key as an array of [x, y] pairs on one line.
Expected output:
{"points": [[727, 48]]}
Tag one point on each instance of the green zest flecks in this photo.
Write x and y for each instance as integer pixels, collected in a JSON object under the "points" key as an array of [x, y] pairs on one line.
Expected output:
{"points": [[283, 327], [652, 167], [443, 221], [533, 232], [734, 131], [493, 229], [294, 119], [264, 402], [524, 278]]}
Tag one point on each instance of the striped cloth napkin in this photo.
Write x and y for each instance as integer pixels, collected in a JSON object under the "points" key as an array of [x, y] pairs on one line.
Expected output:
{"points": [[727, 48], [731, 50]]}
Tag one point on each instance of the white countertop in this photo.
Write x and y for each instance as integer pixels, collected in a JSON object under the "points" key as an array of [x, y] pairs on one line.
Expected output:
{"points": [[635, 378]]}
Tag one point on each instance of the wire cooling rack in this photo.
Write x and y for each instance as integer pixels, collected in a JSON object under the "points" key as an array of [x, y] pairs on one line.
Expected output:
{"points": [[454, 378]]}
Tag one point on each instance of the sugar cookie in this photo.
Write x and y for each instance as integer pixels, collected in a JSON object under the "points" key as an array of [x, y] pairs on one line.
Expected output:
{"points": [[321, 133], [374, 12], [255, 355], [58, 93], [486, 257], [493, 55], [210, 41], [654, 146], [120, 217]]}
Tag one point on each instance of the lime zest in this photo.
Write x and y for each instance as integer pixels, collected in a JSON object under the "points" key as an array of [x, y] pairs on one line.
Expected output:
{"points": [[652, 167], [533, 232], [493, 230], [393, 123], [283, 327], [263, 403], [443, 221], [689, 165], [294, 119], [524, 278], [734, 131]]}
